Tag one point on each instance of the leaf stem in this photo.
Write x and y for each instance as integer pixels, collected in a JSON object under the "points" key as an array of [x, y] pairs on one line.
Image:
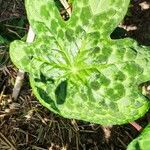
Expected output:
{"points": [[136, 126], [20, 74], [66, 6]]}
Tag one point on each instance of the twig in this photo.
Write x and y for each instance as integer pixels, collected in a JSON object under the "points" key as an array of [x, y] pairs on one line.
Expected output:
{"points": [[20, 74], [123, 144], [37, 148], [7, 142], [1, 94]]}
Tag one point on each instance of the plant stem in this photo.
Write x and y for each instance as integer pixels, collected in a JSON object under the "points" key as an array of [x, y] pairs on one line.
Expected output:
{"points": [[66, 6], [20, 74]]}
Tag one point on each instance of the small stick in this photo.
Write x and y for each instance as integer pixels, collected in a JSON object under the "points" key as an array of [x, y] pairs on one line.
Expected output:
{"points": [[5, 140], [20, 74], [136, 126]]}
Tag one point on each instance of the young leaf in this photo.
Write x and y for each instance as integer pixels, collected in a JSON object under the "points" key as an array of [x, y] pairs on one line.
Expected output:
{"points": [[76, 70]]}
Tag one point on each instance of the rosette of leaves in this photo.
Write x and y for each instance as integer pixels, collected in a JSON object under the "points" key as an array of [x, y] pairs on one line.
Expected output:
{"points": [[76, 70], [142, 142]]}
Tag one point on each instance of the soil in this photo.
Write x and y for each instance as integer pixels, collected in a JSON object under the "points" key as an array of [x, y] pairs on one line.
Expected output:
{"points": [[26, 125]]}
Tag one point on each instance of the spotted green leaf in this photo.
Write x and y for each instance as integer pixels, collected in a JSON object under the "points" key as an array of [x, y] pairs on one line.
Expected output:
{"points": [[76, 70]]}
